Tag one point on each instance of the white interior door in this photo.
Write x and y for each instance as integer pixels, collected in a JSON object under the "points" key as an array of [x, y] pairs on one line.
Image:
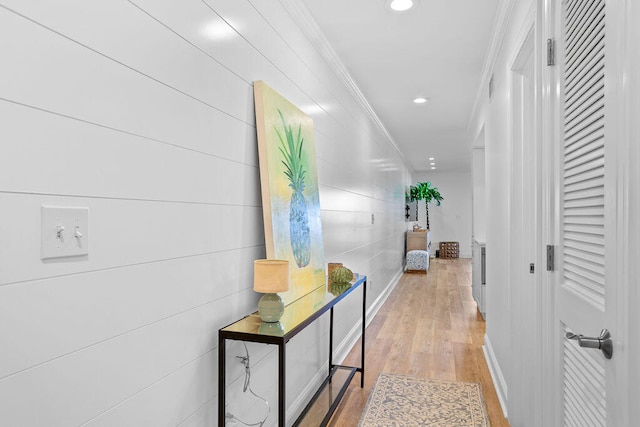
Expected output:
{"points": [[586, 293]]}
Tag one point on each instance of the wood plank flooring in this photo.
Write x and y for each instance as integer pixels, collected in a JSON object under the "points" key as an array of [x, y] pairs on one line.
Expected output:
{"points": [[429, 327]]}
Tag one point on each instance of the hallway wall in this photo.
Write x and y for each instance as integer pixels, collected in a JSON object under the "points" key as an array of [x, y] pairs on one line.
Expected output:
{"points": [[143, 112], [479, 195]]}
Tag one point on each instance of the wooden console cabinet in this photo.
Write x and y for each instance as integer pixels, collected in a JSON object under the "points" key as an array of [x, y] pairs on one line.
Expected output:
{"points": [[419, 240]]}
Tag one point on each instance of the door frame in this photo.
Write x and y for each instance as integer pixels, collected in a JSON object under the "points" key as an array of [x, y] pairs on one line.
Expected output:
{"points": [[622, 115], [550, 207], [632, 106], [525, 394]]}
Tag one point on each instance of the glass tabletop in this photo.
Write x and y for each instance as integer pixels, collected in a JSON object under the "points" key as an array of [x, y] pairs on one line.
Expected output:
{"points": [[307, 307]]}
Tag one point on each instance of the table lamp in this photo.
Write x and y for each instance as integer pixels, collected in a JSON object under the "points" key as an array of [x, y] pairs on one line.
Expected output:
{"points": [[269, 277]]}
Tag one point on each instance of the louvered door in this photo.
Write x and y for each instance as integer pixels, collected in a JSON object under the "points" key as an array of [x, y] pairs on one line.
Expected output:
{"points": [[581, 296]]}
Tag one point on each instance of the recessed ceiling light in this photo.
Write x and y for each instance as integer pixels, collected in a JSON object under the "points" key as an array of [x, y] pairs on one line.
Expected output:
{"points": [[400, 5], [431, 158], [432, 164], [420, 100], [433, 167]]}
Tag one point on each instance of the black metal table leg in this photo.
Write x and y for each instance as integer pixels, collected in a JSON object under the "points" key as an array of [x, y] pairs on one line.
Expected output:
{"points": [[331, 340], [364, 326], [221, 381], [281, 385]]}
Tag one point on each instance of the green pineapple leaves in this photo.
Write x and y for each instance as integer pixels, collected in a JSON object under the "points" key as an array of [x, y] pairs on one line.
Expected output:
{"points": [[291, 150]]}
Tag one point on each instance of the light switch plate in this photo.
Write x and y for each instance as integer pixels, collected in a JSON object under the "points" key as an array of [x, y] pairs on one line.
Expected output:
{"points": [[65, 232]]}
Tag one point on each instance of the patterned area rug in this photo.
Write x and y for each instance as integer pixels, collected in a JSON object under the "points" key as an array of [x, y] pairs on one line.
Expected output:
{"points": [[398, 400]]}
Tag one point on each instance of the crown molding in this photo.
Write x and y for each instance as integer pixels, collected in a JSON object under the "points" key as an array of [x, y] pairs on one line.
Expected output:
{"points": [[500, 25], [301, 15]]}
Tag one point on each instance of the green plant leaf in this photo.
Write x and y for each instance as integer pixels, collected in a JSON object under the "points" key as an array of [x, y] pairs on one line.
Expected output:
{"points": [[425, 191]]}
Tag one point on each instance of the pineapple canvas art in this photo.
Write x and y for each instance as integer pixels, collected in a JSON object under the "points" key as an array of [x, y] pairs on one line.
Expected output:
{"points": [[289, 183]]}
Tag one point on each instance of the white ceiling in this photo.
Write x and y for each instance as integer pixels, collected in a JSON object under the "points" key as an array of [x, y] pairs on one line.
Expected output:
{"points": [[436, 51]]}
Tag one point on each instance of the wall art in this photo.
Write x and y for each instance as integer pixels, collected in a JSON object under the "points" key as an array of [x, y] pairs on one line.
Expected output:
{"points": [[289, 181]]}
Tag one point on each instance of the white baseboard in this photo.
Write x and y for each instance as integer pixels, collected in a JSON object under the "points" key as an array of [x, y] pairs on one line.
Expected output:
{"points": [[341, 352], [496, 375]]}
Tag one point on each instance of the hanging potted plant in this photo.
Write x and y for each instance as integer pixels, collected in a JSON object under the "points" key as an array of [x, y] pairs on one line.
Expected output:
{"points": [[425, 191]]}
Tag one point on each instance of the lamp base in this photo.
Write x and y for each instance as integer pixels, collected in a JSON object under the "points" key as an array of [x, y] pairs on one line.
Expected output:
{"points": [[271, 328], [270, 308]]}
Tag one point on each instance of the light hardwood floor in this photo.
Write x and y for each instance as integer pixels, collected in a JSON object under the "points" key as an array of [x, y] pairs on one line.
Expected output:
{"points": [[429, 327]]}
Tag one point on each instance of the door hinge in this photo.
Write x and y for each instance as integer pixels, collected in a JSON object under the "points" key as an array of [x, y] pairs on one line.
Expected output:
{"points": [[550, 258], [532, 268], [551, 52]]}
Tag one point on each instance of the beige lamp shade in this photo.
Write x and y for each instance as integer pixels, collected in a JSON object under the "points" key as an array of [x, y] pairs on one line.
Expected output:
{"points": [[270, 276]]}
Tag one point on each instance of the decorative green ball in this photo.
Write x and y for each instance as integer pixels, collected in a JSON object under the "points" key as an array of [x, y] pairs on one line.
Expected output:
{"points": [[341, 275], [338, 289]]}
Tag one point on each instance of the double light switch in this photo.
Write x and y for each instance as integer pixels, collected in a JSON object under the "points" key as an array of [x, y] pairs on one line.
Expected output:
{"points": [[65, 232]]}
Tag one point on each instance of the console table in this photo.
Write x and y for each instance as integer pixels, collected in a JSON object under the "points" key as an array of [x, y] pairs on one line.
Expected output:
{"points": [[297, 316]]}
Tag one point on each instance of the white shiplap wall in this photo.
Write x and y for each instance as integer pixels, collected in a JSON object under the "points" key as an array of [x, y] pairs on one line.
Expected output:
{"points": [[134, 110]]}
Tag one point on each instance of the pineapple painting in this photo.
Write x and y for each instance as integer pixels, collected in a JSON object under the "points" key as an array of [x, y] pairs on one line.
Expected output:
{"points": [[291, 151], [289, 184]]}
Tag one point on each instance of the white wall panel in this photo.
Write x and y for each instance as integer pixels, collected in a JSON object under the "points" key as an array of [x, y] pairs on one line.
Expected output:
{"points": [[169, 401], [206, 415], [73, 389], [175, 63], [134, 110], [479, 194], [338, 199], [205, 29], [228, 50], [338, 175], [104, 293], [124, 232], [86, 85], [110, 158], [261, 34]]}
